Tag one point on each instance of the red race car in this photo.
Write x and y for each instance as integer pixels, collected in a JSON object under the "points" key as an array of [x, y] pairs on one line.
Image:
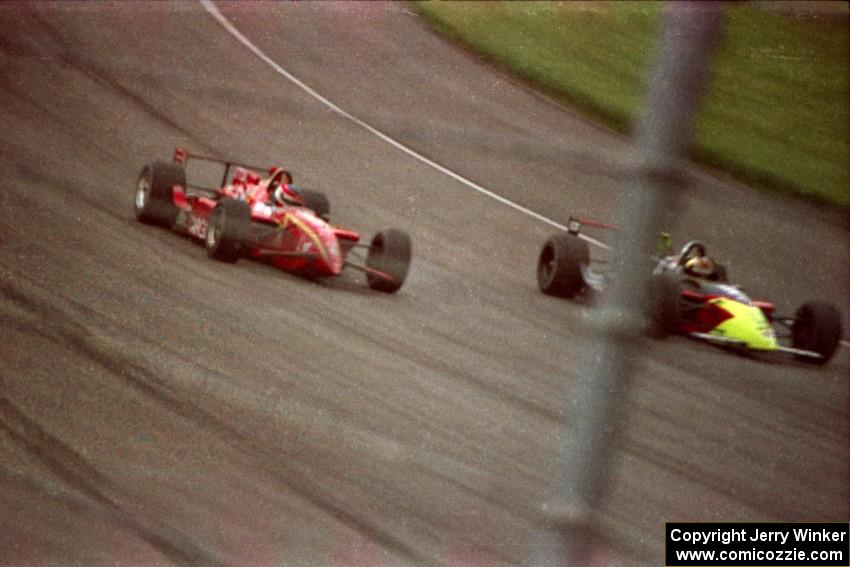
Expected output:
{"points": [[259, 213]]}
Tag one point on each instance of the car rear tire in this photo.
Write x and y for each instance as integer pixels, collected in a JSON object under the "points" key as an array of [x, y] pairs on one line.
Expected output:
{"points": [[817, 327], [317, 202], [390, 253], [153, 200], [665, 305], [228, 226], [559, 265]]}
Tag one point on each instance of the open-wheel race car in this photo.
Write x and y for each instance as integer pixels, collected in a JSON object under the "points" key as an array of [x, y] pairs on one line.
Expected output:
{"points": [[259, 213], [690, 294]]}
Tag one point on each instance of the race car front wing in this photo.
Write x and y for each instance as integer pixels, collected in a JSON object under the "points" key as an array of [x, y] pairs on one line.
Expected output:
{"points": [[727, 341]]}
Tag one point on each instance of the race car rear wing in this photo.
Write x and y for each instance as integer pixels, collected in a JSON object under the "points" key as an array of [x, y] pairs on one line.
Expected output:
{"points": [[575, 223], [182, 156]]}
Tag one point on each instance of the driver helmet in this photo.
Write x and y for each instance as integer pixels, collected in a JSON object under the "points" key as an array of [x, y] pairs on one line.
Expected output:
{"points": [[287, 194], [700, 267]]}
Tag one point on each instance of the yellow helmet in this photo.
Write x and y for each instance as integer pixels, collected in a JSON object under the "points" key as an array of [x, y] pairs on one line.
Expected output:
{"points": [[700, 267]]}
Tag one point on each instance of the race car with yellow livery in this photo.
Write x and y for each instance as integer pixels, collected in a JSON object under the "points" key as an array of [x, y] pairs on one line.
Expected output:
{"points": [[690, 295], [259, 213]]}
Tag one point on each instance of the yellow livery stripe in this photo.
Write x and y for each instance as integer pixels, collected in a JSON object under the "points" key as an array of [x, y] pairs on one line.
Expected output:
{"points": [[308, 230], [747, 324]]}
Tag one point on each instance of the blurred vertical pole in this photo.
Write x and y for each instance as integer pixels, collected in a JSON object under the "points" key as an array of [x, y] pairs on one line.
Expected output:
{"points": [[594, 407]]}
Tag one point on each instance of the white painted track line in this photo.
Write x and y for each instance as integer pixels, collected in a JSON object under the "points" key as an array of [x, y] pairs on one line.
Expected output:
{"points": [[210, 7]]}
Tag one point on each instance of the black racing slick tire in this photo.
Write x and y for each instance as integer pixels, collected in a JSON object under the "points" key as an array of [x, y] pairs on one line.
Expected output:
{"points": [[559, 265], [153, 200], [390, 253], [664, 305], [317, 202], [228, 226], [817, 328]]}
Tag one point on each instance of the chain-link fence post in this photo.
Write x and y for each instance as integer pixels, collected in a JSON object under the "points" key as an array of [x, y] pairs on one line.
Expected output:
{"points": [[593, 408]]}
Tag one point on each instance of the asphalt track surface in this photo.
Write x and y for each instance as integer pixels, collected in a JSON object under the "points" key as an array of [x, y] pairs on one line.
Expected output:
{"points": [[160, 408]]}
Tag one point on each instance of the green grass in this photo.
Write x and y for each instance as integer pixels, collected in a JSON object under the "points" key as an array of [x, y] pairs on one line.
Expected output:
{"points": [[776, 111]]}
